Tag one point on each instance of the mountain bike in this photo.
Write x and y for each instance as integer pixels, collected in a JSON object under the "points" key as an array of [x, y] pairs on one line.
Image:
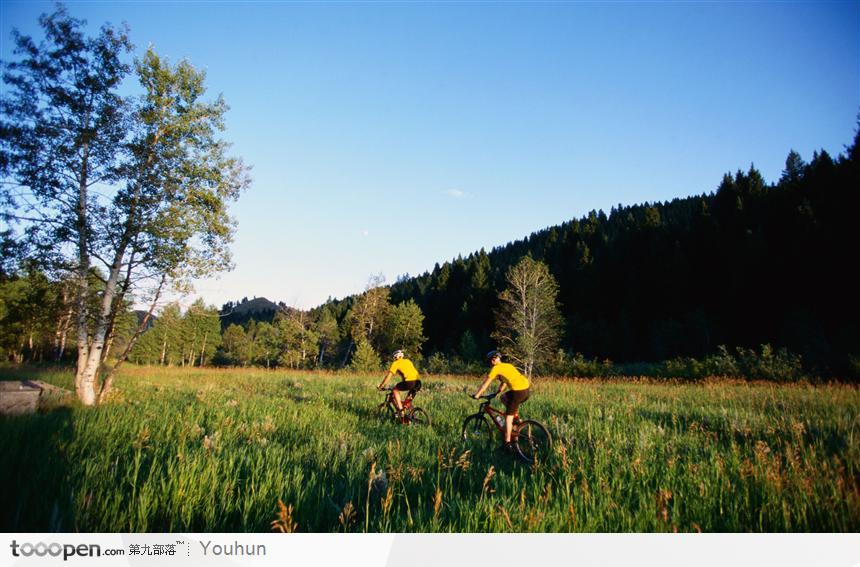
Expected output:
{"points": [[387, 410], [530, 439]]}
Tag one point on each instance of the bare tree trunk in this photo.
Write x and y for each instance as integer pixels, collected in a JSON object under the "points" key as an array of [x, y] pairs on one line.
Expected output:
{"points": [[348, 352], [108, 345], [62, 348], [203, 348], [82, 283], [89, 375], [189, 358], [108, 381], [93, 362], [163, 348], [62, 330], [105, 319], [20, 355], [83, 332]]}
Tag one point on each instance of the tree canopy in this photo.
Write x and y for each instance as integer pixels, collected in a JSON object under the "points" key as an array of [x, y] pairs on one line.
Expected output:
{"points": [[132, 190]]}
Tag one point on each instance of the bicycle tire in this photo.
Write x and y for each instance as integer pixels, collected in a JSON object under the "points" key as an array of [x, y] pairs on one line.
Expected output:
{"points": [[533, 441], [477, 430], [385, 412], [419, 417]]}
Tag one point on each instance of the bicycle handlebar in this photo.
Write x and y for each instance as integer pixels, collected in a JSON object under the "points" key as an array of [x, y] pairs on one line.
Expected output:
{"points": [[484, 397]]}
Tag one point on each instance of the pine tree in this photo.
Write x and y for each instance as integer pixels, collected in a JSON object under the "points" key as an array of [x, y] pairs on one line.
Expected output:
{"points": [[794, 170], [365, 359]]}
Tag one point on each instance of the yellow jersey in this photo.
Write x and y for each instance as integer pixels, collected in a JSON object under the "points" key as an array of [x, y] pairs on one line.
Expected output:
{"points": [[508, 374], [405, 368]]}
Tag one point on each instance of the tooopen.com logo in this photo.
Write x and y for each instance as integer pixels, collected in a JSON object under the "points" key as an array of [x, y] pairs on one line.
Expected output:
{"points": [[42, 549]]}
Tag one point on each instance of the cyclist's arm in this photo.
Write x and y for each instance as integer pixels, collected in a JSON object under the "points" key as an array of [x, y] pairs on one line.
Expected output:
{"points": [[384, 380], [502, 388], [483, 387]]}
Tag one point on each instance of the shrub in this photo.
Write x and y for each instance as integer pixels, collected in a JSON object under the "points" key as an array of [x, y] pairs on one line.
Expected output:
{"points": [[779, 366], [438, 364], [365, 359], [458, 365], [566, 364], [683, 367], [721, 364]]}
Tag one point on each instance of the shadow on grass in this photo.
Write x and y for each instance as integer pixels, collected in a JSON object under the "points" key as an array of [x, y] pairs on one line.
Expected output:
{"points": [[34, 472], [722, 432], [370, 413]]}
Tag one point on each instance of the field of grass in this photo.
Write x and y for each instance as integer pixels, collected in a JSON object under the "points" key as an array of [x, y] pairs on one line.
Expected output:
{"points": [[215, 450]]}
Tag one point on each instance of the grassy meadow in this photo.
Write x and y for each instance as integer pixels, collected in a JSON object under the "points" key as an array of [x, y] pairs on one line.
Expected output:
{"points": [[207, 450]]}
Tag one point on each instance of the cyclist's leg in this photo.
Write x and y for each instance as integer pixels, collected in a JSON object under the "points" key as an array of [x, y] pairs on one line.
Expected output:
{"points": [[414, 387], [512, 401], [507, 398], [399, 387]]}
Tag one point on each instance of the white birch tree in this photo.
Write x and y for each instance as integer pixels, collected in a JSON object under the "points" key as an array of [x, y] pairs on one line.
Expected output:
{"points": [[137, 186], [528, 321]]}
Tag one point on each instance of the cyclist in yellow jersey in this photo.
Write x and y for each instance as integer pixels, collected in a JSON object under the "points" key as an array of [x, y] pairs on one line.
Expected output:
{"points": [[511, 378], [408, 374]]}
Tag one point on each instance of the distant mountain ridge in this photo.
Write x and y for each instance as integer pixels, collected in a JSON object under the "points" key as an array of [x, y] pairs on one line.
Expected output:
{"points": [[257, 308]]}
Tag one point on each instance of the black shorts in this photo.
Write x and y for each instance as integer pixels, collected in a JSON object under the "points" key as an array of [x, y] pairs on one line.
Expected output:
{"points": [[411, 386], [512, 400]]}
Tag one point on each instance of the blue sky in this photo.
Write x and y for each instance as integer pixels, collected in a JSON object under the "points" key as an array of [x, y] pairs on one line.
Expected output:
{"points": [[389, 136]]}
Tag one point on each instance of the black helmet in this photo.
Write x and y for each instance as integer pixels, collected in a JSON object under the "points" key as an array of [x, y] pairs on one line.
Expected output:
{"points": [[396, 352], [493, 354]]}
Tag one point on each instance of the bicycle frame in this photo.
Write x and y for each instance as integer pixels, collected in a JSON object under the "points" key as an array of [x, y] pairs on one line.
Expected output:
{"points": [[406, 402], [488, 409], [410, 414]]}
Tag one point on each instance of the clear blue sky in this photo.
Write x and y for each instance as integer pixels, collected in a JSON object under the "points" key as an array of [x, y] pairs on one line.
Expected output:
{"points": [[386, 137]]}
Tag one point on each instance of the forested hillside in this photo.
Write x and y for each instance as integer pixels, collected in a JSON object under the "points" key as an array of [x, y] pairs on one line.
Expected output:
{"points": [[749, 264]]}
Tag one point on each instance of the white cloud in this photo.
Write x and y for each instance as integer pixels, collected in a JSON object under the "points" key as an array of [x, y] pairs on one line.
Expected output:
{"points": [[365, 232], [456, 193]]}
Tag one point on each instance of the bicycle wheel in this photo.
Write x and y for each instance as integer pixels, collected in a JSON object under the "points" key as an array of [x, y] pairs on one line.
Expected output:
{"points": [[477, 430], [533, 441], [385, 412], [419, 417]]}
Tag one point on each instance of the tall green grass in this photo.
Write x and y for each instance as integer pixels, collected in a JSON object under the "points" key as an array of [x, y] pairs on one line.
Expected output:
{"points": [[215, 450]]}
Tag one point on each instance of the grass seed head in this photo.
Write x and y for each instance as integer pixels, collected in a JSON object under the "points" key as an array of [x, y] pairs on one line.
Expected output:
{"points": [[437, 503], [664, 499], [485, 487], [284, 522], [347, 516]]}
